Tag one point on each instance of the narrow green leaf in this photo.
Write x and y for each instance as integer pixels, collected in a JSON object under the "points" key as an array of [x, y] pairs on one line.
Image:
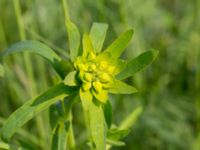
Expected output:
{"points": [[138, 64], [131, 119], [122, 88], [87, 45], [97, 35], [37, 48], [33, 107], [71, 79], [74, 39], [119, 45], [95, 120], [1, 70], [108, 113], [116, 134], [115, 143], [120, 65]]}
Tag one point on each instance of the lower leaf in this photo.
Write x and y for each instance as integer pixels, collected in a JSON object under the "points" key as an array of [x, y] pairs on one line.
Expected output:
{"points": [[94, 120], [32, 108]]}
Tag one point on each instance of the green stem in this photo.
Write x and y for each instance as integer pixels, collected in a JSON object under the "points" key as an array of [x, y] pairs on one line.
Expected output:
{"points": [[65, 9]]}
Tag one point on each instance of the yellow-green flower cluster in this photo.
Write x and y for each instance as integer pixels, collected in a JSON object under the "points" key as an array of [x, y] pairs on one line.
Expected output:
{"points": [[95, 76]]}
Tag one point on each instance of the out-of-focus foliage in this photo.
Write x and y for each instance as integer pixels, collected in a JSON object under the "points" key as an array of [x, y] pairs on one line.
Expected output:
{"points": [[168, 90]]}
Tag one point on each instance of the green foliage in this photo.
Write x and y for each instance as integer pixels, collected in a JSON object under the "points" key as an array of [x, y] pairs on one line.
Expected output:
{"points": [[167, 91], [74, 39], [97, 35], [138, 64], [119, 45], [33, 107]]}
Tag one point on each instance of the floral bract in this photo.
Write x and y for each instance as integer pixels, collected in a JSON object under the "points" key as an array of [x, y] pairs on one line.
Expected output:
{"points": [[95, 73]]}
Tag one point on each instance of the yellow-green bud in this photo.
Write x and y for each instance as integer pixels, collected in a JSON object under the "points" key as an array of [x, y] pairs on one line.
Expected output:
{"points": [[104, 77], [103, 64], [82, 67], [92, 68], [91, 55], [97, 86], [111, 69], [88, 77], [86, 86]]}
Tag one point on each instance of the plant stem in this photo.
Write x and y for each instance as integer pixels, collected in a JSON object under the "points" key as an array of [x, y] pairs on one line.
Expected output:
{"points": [[65, 9]]}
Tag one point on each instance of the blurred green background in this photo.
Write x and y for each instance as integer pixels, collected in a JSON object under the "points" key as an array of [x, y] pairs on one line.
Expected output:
{"points": [[169, 90]]}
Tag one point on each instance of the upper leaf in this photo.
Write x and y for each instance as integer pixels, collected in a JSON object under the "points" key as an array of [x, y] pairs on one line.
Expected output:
{"points": [[34, 47], [87, 45], [138, 64], [74, 39], [97, 35], [37, 48], [122, 88], [119, 45], [33, 107]]}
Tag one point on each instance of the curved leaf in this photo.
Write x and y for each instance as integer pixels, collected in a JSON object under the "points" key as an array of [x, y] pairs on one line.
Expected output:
{"points": [[97, 35], [138, 64], [119, 45], [32, 108], [74, 39], [122, 88], [37, 48]]}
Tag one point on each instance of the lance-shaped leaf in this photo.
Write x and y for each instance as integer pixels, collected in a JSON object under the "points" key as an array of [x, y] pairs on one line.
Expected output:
{"points": [[108, 113], [124, 127], [137, 64], [33, 107], [129, 121], [74, 39], [119, 45], [122, 88], [94, 119], [87, 45], [37, 48], [97, 35], [71, 79]]}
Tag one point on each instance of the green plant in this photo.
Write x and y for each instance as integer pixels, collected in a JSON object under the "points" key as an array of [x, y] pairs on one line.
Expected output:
{"points": [[91, 75]]}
